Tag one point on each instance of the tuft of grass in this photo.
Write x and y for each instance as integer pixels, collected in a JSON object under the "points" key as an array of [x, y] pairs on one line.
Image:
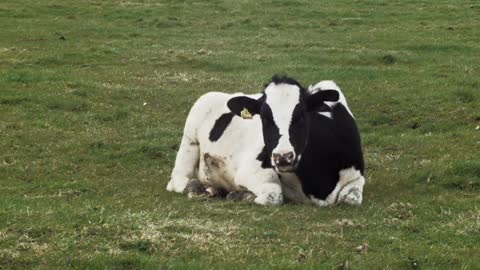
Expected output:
{"points": [[466, 168], [465, 96], [389, 59], [13, 100], [21, 78], [64, 104], [117, 115]]}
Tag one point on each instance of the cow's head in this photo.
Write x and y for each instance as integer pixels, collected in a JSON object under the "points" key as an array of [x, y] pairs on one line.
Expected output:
{"points": [[284, 109]]}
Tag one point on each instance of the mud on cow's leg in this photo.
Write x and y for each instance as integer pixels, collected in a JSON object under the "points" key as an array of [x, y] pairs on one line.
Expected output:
{"points": [[196, 188]]}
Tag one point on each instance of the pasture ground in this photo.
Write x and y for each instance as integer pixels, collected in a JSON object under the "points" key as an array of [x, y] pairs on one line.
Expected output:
{"points": [[94, 95]]}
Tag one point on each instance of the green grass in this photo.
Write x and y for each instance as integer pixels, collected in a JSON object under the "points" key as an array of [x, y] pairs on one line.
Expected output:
{"points": [[94, 95]]}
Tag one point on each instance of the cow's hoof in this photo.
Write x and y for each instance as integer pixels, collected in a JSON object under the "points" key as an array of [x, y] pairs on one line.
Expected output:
{"points": [[242, 195], [353, 197], [194, 188], [213, 192]]}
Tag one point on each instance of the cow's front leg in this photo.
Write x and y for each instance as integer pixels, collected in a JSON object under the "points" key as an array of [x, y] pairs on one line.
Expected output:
{"points": [[349, 189], [352, 191], [269, 194], [264, 183], [185, 164]]}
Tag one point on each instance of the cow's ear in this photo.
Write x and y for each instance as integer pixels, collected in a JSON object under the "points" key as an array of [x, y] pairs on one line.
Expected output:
{"points": [[244, 107], [316, 100]]}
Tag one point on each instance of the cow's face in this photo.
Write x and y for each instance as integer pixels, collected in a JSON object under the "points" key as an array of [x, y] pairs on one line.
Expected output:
{"points": [[284, 110]]}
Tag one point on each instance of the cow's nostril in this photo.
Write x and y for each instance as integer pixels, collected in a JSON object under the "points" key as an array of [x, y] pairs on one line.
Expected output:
{"points": [[289, 157], [276, 158]]}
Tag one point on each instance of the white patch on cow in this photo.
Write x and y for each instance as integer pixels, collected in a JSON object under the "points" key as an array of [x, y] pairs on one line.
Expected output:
{"points": [[326, 114], [282, 99], [349, 189], [330, 85]]}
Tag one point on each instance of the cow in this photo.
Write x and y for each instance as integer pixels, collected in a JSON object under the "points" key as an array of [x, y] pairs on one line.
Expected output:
{"points": [[288, 143]]}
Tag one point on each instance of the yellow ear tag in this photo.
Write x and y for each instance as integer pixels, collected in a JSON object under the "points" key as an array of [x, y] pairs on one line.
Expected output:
{"points": [[245, 114]]}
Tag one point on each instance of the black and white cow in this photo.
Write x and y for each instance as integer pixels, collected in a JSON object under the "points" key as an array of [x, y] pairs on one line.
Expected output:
{"points": [[288, 142]]}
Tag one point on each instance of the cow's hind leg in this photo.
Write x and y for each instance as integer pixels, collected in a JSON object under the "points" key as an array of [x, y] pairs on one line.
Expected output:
{"points": [[186, 164], [352, 190]]}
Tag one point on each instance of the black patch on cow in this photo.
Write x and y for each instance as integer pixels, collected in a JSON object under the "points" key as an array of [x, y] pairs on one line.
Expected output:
{"points": [[298, 129], [264, 157], [271, 132], [322, 108], [220, 125]]}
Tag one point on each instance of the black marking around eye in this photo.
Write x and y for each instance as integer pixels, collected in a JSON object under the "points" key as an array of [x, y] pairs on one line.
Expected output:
{"points": [[271, 135], [266, 112], [264, 157], [220, 126]]}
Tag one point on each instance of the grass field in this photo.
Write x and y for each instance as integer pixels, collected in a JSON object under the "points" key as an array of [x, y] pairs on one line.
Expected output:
{"points": [[94, 95]]}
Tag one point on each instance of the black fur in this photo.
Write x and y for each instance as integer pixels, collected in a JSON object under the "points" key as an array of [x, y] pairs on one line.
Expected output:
{"points": [[219, 127], [264, 157], [271, 133]]}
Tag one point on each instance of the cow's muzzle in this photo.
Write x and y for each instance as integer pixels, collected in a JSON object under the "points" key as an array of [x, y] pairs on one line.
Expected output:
{"points": [[284, 162]]}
